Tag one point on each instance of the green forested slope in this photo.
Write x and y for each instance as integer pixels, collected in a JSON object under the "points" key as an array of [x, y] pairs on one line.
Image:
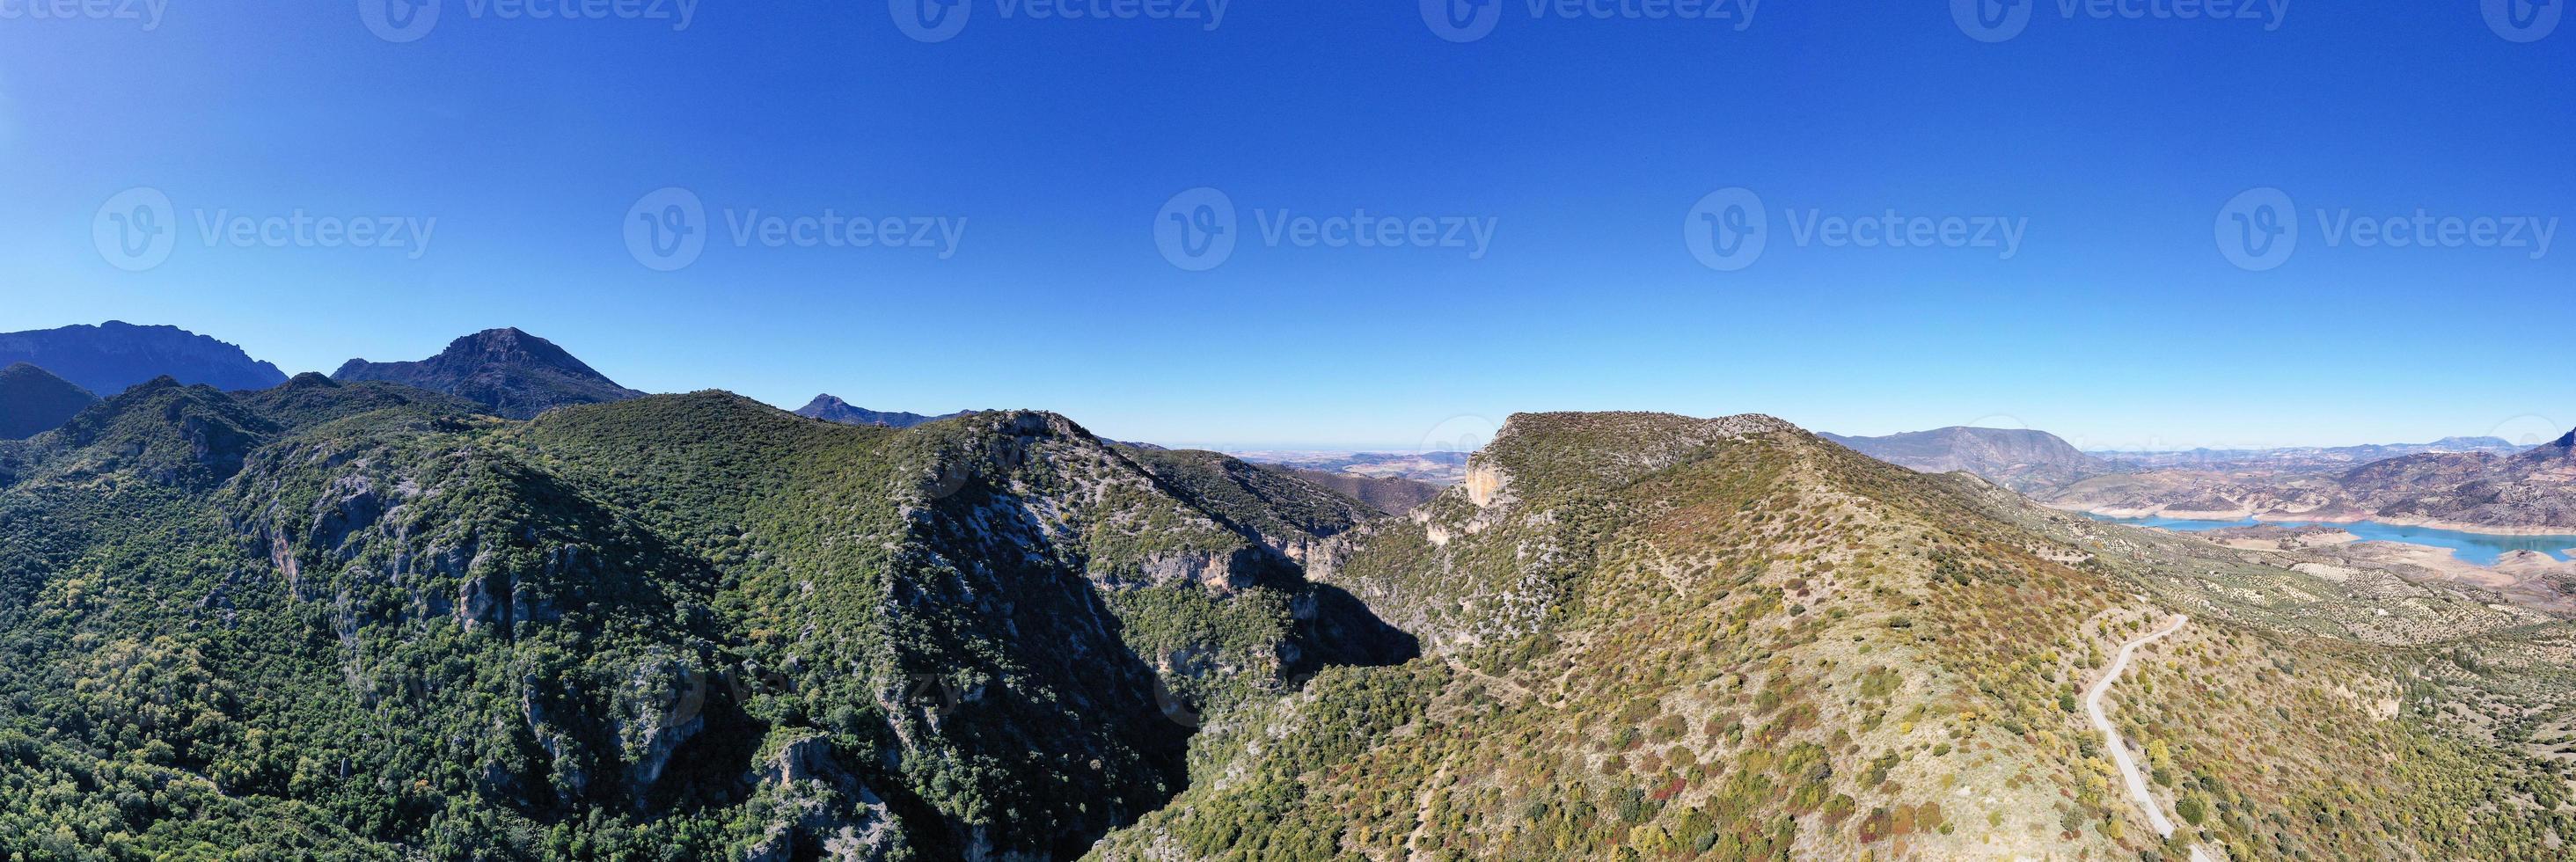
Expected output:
{"points": [[361, 621]]}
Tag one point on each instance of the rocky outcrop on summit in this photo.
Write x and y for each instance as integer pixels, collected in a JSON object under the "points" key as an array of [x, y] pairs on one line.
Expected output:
{"points": [[515, 374], [107, 358], [832, 409], [33, 401], [2022, 460]]}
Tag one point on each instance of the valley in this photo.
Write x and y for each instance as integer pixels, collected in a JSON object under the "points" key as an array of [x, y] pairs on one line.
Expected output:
{"points": [[492, 605]]}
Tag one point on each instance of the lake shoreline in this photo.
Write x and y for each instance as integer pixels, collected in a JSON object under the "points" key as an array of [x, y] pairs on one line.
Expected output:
{"points": [[2483, 550]]}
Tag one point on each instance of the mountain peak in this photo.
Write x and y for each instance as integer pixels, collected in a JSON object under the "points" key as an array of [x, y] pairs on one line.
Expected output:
{"points": [[517, 374], [513, 345], [2018, 458], [830, 408]]}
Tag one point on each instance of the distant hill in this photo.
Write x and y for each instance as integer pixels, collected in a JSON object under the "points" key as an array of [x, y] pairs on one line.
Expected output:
{"points": [[107, 358], [2311, 459], [2458, 482], [2022, 460], [34, 401], [832, 409], [2533, 489], [1393, 495], [516, 374]]}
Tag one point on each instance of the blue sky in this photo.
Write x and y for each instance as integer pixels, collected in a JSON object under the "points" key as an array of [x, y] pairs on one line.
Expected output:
{"points": [[1052, 150]]}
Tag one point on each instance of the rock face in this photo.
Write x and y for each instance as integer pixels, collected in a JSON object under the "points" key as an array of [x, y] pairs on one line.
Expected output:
{"points": [[107, 358], [2018, 459], [832, 409], [516, 374], [33, 401]]}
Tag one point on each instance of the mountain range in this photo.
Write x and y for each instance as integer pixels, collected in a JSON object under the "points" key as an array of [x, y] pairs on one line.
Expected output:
{"points": [[2313, 459], [368, 619], [107, 358]]}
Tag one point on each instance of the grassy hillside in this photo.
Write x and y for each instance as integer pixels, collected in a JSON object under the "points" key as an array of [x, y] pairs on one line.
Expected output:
{"points": [[1656, 637]]}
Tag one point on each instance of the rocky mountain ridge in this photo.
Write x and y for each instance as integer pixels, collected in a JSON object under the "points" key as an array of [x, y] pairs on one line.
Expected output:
{"points": [[107, 358]]}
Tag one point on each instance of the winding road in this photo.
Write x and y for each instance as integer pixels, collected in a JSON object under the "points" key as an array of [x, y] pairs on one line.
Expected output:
{"points": [[2119, 748]]}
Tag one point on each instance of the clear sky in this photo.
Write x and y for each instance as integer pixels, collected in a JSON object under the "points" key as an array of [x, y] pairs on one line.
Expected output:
{"points": [[2107, 146]]}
